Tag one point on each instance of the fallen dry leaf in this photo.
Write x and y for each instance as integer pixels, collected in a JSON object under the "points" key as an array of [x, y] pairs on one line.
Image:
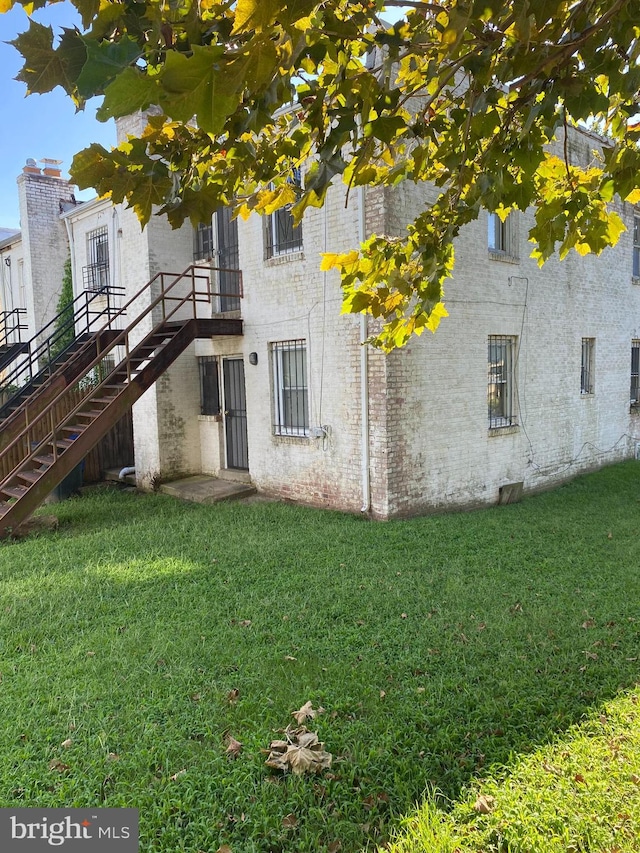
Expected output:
{"points": [[334, 847], [224, 849], [177, 775], [66, 743], [290, 657], [245, 623], [290, 821], [234, 747], [485, 804], [58, 766], [307, 712], [300, 753], [233, 696]]}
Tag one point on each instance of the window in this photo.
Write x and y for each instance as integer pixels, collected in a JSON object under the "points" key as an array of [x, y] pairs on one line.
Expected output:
{"points": [[95, 275], [635, 372], [209, 385], [636, 246], [588, 366], [281, 236], [291, 401], [500, 397], [203, 242], [497, 233]]}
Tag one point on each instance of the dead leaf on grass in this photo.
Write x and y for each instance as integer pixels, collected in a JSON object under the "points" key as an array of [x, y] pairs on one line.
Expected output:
{"points": [[484, 804], [245, 623], [290, 657], [300, 753], [224, 849], [66, 743], [58, 766], [177, 775], [234, 747], [289, 821], [307, 712], [334, 847], [233, 696]]}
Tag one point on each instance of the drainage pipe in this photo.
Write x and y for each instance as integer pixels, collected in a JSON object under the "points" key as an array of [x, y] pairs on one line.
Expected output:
{"points": [[364, 377]]}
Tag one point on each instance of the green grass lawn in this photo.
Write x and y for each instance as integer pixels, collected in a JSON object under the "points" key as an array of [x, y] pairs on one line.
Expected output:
{"points": [[444, 650]]}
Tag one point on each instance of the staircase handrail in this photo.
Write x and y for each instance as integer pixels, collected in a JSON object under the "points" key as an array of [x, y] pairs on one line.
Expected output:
{"points": [[79, 316], [9, 326], [121, 339]]}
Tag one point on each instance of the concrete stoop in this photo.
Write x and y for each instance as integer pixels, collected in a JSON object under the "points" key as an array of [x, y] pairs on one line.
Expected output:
{"points": [[207, 490]]}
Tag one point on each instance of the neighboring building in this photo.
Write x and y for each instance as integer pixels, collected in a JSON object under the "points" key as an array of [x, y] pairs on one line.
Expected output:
{"points": [[533, 378]]}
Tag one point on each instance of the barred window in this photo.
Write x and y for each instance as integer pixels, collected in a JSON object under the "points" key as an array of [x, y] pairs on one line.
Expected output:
{"points": [[635, 371], [291, 396], [203, 242], [281, 236], [587, 370], [209, 385], [96, 274], [500, 391]]}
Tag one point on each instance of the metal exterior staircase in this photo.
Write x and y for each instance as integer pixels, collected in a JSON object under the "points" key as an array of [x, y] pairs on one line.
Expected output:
{"points": [[11, 343], [45, 461]]}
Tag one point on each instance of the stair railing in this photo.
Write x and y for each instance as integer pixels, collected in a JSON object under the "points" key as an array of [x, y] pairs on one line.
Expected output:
{"points": [[11, 326], [29, 438], [77, 317]]}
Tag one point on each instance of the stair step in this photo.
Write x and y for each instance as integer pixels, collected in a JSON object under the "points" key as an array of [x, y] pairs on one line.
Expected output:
{"points": [[79, 428], [14, 491], [46, 459], [30, 476], [63, 443], [90, 413]]}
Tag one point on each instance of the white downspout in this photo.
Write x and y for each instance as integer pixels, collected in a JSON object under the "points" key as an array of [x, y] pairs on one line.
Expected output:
{"points": [[364, 377]]}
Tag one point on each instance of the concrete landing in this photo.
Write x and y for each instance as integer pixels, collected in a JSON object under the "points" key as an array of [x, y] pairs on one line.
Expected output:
{"points": [[207, 490]]}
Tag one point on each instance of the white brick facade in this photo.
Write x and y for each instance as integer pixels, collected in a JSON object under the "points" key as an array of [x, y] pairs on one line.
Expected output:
{"points": [[429, 444]]}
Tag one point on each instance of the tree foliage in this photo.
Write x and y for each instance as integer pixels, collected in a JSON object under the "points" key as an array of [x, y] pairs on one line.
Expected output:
{"points": [[468, 95], [64, 331]]}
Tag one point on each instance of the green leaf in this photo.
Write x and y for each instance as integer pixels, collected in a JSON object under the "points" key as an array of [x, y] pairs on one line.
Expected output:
{"points": [[132, 90], [196, 86], [45, 68], [105, 61]]}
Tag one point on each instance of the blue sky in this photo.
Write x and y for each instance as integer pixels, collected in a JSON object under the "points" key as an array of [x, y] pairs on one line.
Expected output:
{"points": [[38, 126]]}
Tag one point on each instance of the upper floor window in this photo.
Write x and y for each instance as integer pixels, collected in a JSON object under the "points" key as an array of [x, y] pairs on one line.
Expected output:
{"points": [[203, 241], [636, 246], [95, 275], [291, 395], [281, 236], [500, 391], [502, 237], [587, 368]]}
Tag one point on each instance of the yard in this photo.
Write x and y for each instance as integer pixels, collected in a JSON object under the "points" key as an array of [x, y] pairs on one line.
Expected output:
{"points": [[150, 652]]}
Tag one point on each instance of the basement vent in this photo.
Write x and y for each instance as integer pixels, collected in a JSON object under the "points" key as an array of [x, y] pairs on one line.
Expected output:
{"points": [[510, 493]]}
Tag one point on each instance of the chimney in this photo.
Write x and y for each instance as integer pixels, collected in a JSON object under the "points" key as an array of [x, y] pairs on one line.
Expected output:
{"points": [[51, 167], [30, 168]]}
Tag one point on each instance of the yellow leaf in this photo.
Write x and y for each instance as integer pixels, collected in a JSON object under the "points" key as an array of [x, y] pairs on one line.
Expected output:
{"points": [[632, 198], [5, 5], [438, 312], [331, 260]]}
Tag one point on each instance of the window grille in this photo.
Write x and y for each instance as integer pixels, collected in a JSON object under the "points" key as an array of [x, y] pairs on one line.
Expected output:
{"points": [[500, 396], [635, 371], [209, 385], [636, 246], [281, 235], [587, 375], [291, 400], [95, 276], [203, 242]]}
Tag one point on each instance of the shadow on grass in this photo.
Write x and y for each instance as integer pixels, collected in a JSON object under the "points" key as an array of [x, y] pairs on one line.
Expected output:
{"points": [[439, 647]]}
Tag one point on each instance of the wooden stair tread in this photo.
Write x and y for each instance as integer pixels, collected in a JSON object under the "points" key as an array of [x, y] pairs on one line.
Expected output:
{"points": [[15, 491], [30, 476]]}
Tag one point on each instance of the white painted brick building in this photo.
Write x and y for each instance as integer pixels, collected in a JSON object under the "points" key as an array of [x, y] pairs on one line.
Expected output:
{"points": [[530, 380]]}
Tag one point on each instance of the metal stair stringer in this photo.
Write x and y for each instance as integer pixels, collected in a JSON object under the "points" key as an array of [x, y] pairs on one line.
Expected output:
{"points": [[69, 442]]}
